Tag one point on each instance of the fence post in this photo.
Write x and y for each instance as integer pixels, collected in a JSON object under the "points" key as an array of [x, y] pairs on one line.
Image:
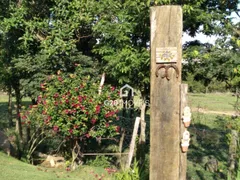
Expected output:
{"points": [[133, 141], [183, 156]]}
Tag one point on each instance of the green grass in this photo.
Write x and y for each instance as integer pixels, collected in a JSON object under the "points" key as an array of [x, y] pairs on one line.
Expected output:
{"points": [[13, 169], [214, 101]]}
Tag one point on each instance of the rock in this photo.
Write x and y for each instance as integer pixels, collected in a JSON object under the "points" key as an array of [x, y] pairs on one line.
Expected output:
{"points": [[5, 144], [54, 162]]}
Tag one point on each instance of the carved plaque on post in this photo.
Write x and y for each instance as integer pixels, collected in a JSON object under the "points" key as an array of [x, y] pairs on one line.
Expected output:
{"points": [[166, 55]]}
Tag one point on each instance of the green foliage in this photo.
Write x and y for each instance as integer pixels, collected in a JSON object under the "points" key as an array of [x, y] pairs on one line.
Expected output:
{"points": [[100, 161], [134, 173]]}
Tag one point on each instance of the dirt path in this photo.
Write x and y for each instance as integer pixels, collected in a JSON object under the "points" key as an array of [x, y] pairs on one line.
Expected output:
{"points": [[205, 111]]}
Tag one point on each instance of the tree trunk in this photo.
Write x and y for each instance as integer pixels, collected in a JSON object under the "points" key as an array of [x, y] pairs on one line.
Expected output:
{"points": [[76, 155], [18, 104], [10, 121]]}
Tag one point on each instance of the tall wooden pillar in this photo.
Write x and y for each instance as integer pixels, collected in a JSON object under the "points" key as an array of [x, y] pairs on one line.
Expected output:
{"points": [[166, 56]]}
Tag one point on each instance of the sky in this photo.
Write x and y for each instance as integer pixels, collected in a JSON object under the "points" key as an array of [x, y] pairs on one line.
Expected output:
{"points": [[208, 39]]}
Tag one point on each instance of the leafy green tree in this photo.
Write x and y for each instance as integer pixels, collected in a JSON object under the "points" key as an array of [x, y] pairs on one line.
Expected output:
{"points": [[34, 45], [208, 63]]}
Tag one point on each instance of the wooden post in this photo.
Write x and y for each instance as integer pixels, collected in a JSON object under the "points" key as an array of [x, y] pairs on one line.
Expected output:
{"points": [[183, 156], [166, 55], [133, 141], [232, 157]]}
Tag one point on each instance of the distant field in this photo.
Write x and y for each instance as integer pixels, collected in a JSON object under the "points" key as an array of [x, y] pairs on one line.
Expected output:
{"points": [[223, 102], [212, 101]]}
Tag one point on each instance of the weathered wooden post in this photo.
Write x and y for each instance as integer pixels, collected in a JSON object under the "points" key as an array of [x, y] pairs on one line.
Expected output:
{"points": [[166, 55]]}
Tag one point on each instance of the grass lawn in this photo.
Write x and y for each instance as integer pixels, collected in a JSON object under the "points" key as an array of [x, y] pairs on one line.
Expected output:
{"points": [[213, 102], [13, 169]]}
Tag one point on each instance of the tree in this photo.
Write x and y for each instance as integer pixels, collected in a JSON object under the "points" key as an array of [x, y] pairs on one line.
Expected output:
{"points": [[32, 48]]}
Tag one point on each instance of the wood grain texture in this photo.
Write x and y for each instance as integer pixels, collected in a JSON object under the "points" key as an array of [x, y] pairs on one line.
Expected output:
{"points": [[166, 31]]}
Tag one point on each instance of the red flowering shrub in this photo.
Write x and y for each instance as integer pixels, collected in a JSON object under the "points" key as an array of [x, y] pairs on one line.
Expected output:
{"points": [[71, 106]]}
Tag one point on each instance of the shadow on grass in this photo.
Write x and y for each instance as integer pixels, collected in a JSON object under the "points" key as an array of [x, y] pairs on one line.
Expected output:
{"points": [[207, 143]]}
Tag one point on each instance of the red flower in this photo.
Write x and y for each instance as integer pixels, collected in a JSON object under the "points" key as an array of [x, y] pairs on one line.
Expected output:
{"points": [[55, 128], [24, 117], [109, 114], [66, 111], [82, 108], [70, 131], [67, 101], [60, 78], [98, 108], [56, 95], [39, 98], [76, 105], [22, 122], [117, 128], [87, 135], [80, 98], [55, 103], [112, 88], [107, 125], [76, 89], [87, 113], [93, 121], [75, 126]]}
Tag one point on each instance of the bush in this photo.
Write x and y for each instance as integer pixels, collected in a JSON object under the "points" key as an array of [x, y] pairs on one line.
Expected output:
{"points": [[71, 106], [100, 161], [134, 173]]}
